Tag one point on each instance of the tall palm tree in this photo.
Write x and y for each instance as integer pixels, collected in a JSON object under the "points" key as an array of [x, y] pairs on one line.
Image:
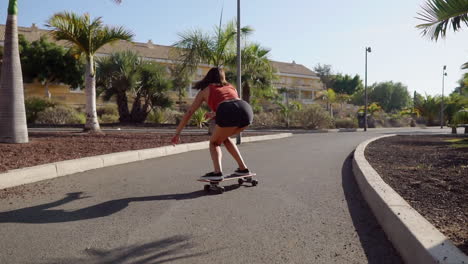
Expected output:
{"points": [[438, 15], [87, 36], [196, 47], [13, 128]]}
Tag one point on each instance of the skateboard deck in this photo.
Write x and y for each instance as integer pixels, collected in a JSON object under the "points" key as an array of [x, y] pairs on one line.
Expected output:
{"points": [[230, 177], [214, 185]]}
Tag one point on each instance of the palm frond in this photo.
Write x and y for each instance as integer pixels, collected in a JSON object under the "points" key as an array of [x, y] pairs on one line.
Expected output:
{"points": [[194, 47], [70, 27], [106, 35], [440, 15], [87, 35]]}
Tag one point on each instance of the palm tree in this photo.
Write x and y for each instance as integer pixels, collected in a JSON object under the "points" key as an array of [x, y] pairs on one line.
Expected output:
{"points": [[124, 74], [13, 128], [87, 36], [438, 15], [195, 46], [257, 72], [116, 75], [329, 96]]}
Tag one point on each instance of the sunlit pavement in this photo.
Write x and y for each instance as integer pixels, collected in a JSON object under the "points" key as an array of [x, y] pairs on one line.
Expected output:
{"points": [[306, 209]]}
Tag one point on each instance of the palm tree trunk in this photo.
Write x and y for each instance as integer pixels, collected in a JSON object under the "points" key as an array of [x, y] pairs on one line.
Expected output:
{"points": [[246, 92], [48, 95], [92, 123], [13, 128], [122, 104]]}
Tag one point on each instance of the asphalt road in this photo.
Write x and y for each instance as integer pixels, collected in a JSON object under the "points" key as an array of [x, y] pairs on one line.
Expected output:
{"points": [[306, 209]]}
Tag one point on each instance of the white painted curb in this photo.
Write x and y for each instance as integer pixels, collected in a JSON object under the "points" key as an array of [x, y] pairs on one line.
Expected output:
{"points": [[417, 240], [57, 169]]}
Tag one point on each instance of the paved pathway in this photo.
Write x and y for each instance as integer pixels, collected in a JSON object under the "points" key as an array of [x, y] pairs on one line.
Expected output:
{"points": [[306, 209]]}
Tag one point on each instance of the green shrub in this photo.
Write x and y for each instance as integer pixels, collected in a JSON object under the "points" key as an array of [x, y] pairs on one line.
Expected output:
{"points": [[34, 106], [460, 117], [198, 118], [173, 116], [81, 118], [164, 116], [346, 123], [108, 109], [60, 115], [397, 120], [268, 119], [157, 116], [312, 117], [106, 118]]}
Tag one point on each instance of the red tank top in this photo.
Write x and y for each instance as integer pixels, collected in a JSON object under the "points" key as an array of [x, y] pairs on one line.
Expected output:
{"points": [[219, 94]]}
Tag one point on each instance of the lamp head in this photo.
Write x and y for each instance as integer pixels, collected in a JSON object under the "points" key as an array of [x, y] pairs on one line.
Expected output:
{"points": [[369, 49], [445, 67]]}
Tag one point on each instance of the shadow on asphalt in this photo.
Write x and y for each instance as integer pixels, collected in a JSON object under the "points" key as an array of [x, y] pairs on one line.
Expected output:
{"points": [[376, 246], [42, 214], [161, 251]]}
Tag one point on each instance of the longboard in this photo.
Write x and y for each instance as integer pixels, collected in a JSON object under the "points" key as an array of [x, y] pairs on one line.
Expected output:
{"points": [[214, 185]]}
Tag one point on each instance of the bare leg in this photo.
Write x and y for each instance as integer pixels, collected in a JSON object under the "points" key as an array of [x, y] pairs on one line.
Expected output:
{"points": [[220, 134], [234, 151]]}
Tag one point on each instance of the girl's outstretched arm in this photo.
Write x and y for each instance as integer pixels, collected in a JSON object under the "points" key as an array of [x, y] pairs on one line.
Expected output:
{"points": [[194, 107]]}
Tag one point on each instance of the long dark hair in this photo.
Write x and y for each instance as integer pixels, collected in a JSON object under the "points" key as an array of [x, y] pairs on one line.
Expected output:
{"points": [[214, 76]]}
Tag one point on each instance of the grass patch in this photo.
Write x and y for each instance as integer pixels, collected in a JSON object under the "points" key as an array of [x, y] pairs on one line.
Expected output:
{"points": [[458, 142]]}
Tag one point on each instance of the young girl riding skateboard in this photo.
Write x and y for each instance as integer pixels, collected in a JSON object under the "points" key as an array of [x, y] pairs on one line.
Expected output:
{"points": [[232, 116]]}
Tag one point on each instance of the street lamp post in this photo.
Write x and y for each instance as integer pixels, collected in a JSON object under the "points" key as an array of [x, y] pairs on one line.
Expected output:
{"points": [[368, 49], [444, 73], [239, 70]]}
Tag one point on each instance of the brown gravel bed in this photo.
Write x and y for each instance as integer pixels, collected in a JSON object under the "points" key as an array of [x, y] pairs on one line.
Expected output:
{"points": [[430, 173], [48, 147]]}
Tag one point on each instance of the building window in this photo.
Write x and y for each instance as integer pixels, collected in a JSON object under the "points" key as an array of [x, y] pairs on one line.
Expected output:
{"points": [[306, 95]]}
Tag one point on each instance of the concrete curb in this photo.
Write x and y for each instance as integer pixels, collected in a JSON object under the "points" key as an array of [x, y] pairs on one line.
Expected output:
{"points": [[57, 169], [417, 240]]}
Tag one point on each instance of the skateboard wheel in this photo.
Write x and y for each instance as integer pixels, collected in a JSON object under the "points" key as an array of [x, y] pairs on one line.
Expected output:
{"points": [[248, 179], [207, 188], [240, 181], [221, 190], [254, 182]]}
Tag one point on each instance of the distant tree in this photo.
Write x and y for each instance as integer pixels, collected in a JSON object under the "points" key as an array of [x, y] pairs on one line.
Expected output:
{"points": [[429, 108], [462, 88], [87, 36], [330, 97], [325, 74], [287, 107], [49, 63], [196, 46], [390, 96], [346, 84], [452, 104], [180, 81], [438, 15]]}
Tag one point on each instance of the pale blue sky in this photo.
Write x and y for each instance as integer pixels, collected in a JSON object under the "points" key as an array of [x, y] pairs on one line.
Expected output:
{"points": [[307, 31]]}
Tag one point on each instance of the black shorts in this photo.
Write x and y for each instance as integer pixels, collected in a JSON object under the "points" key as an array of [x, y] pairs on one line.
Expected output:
{"points": [[236, 113]]}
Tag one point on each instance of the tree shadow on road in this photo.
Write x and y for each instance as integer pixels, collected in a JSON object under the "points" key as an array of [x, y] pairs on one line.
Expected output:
{"points": [[376, 246], [162, 251], [41, 214]]}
